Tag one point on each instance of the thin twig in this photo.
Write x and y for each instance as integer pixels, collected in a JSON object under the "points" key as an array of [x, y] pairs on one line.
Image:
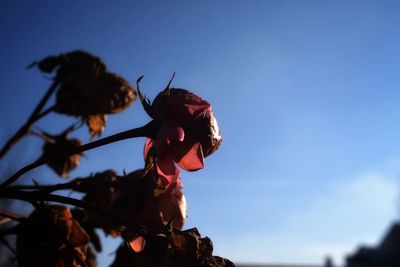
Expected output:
{"points": [[149, 130], [35, 116], [48, 188]]}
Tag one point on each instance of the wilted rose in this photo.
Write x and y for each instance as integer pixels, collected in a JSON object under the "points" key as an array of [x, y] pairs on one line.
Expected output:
{"points": [[189, 132]]}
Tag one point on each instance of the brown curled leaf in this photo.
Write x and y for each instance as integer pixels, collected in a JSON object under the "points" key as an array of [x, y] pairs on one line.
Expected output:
{"points": [[96, 124]]}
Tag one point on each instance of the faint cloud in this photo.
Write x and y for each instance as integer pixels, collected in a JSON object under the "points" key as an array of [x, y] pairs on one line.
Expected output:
{"points": [[354, 212]]}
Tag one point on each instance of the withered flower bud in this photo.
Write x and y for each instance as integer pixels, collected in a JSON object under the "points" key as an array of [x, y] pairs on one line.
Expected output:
{"points": [[87, 89], [105, 94], [48, 237], [53, 149]]}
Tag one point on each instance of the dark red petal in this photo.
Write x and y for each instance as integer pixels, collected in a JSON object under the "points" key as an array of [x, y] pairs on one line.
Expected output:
{"points": [[169, 133], [187, 106], [167, 169]]}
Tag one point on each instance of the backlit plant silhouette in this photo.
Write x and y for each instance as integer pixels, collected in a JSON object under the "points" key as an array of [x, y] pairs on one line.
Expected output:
{"points": [[147, 207]]}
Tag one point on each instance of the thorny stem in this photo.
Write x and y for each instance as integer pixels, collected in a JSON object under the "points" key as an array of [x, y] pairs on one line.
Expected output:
{"points": [[35, 116], [147, 130], [37, 196]]}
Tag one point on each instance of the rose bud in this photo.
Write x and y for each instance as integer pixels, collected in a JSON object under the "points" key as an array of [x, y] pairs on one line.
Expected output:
{"points": [[188, 131]]}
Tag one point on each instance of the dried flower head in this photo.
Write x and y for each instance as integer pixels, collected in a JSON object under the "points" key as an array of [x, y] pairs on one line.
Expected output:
{"points": [[54, 148], [87, 89], [100, 189], [178, 249], [51, 237], [84, 96]]}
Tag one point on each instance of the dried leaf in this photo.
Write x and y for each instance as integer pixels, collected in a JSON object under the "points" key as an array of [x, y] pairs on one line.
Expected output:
{"points": [[53, 150], [96, 124]]}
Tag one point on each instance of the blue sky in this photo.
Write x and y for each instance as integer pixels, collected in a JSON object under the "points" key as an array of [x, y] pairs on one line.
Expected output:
{"points": [[305, 92]]}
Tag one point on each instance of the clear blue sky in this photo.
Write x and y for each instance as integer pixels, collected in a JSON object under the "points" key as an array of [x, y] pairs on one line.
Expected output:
{"points": [[306, 94]]}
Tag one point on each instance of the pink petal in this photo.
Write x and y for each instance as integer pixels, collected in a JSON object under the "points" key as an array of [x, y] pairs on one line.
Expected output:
{"points": [[169, 133], [167, 169], [193, 159], [172, 204], [147, 146], [137, 244]]}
